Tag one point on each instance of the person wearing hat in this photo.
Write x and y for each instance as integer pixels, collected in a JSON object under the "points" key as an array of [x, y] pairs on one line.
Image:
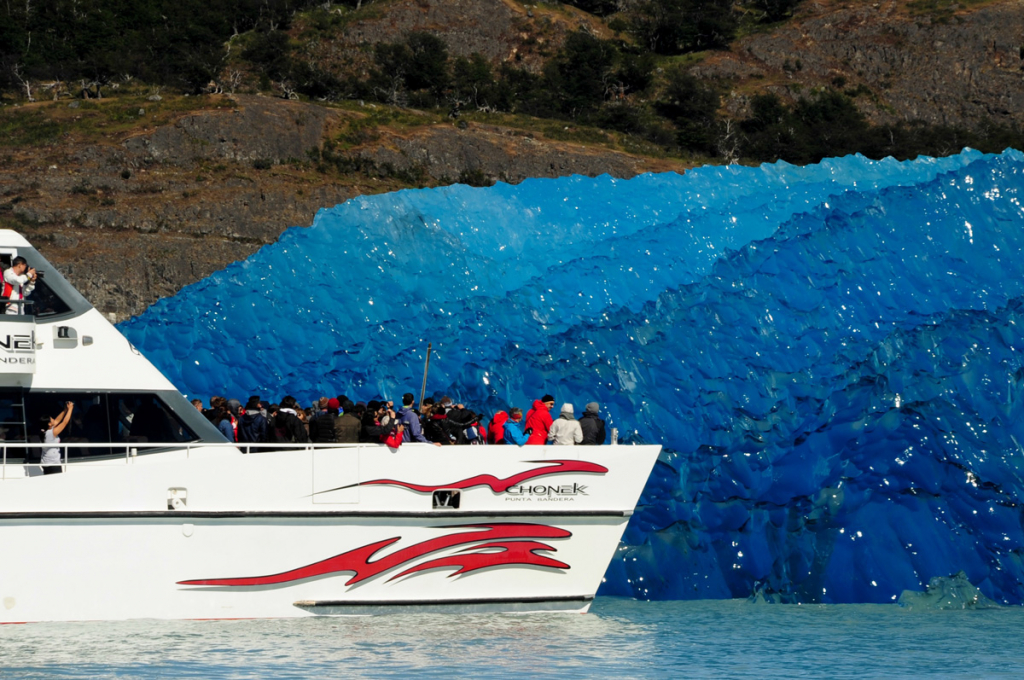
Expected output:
{"points": [[322, 426], [538, 421], [592, 426], [566, 430]]}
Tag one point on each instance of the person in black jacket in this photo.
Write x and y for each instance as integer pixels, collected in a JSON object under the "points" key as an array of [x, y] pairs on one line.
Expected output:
{"points": [[435, 426], [288, 429], [321, 426], [372, 430], [252, 426], [592, 426]]}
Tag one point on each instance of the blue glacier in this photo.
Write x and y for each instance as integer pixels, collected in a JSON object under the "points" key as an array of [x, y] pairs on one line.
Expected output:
{"points": [[832, 355]]}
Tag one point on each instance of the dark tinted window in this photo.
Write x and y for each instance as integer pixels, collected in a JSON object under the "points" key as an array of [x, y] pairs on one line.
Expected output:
{"points": [[12, 419], [44, 301], [12, 425], [117, 419]]}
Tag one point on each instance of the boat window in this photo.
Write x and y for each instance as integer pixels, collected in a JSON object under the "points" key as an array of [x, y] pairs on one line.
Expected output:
{"points": [[12, 424], [144, 418], [117, 419], [44, 301]]}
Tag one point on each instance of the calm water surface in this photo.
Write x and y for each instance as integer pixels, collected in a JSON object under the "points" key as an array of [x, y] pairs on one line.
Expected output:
{"points": [[619, 638]]}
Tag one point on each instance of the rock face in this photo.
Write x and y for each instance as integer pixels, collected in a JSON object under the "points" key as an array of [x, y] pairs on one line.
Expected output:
{"points": [[134, 218], [444, 152], [500, 30], [262, 128], [962, 69]]}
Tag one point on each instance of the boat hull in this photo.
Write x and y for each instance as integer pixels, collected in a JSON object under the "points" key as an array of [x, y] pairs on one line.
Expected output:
{"points": [[276, 534]]}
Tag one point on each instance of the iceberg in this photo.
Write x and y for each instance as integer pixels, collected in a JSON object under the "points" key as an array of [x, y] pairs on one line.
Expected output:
{"points": [[832, 355]]}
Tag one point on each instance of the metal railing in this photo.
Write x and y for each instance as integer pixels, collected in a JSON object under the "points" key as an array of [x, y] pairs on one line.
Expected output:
{"points": [[21, 305], [132, 450]]}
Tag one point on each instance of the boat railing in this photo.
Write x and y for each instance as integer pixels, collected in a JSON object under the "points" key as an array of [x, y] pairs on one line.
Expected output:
{"points": [[134, 449]]}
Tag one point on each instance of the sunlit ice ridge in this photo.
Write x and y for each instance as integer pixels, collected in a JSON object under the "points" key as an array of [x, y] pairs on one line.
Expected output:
{"points": [[832, 355]]}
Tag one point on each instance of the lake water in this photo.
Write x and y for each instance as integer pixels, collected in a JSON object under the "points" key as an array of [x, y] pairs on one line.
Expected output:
{"points": [[621, 638]]}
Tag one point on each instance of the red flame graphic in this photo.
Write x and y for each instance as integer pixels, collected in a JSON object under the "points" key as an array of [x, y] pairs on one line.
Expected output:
{"points": [[553, 467], [501, 537]]}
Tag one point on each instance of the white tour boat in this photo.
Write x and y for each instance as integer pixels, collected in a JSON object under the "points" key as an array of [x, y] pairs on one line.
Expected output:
{"points": [[155, 516]]}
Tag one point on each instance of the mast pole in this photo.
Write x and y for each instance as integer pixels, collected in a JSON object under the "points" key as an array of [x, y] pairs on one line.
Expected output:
{"points": [[426, 367]]}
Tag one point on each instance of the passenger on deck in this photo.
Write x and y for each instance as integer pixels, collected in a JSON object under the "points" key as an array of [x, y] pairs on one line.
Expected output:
{"points": [[496, 430], [222, 420], [369, 425], [346, 426], [372, 429], [436, 426], [592, 426], [566, 430], [460, 422], [288, 427], [198, 404], [252, 426], [513, 428], [51, 429], [212, 414], [538, 420], [410, 419], [19, 282], [322, 426]]}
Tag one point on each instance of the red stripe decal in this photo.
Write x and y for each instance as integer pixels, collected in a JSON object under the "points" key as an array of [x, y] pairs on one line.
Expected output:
{"points": [[554, 467], [358, 561], [512, 552]]}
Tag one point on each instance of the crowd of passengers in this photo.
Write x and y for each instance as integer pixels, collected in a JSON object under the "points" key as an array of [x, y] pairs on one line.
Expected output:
{"points": [[442, 423]]}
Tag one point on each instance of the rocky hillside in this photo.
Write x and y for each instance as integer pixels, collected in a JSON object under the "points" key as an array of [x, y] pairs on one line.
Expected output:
{"points": [[132, 201], [950, 65]]}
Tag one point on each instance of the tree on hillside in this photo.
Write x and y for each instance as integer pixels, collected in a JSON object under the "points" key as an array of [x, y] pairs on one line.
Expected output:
{"points": [[580, 74], [167, 42], [774, 10], [598, 8], [693, 107], [679, 26]]}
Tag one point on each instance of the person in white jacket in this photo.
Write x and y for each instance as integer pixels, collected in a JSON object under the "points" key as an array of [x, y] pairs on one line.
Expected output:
{"points": [[566, 430], [19, 282]]}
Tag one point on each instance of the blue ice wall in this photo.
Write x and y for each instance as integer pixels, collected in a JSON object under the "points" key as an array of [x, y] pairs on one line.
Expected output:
{"points": [[832, 354]]}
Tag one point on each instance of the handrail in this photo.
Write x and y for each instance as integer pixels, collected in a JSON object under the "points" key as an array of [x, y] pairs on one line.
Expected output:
{"points": [[183, 444], [131, 449], [20, 303]]}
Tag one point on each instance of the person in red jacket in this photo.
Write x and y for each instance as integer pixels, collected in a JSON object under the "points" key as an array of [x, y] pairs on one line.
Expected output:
{"points": [[496, 430], [538, 420]]}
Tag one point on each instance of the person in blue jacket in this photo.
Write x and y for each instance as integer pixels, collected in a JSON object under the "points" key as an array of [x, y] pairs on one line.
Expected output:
{"points": [[411, 419], [514, 428]]}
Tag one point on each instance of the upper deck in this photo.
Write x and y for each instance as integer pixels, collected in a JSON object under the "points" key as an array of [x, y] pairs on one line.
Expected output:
{"points": [[56, 347]]}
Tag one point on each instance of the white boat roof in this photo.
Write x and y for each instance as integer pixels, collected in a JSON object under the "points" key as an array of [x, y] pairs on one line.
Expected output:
{"points": [[11, 238]]}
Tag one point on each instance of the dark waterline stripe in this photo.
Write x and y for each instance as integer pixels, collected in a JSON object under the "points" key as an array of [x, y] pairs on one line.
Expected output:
{"points": [[305, 604]]}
